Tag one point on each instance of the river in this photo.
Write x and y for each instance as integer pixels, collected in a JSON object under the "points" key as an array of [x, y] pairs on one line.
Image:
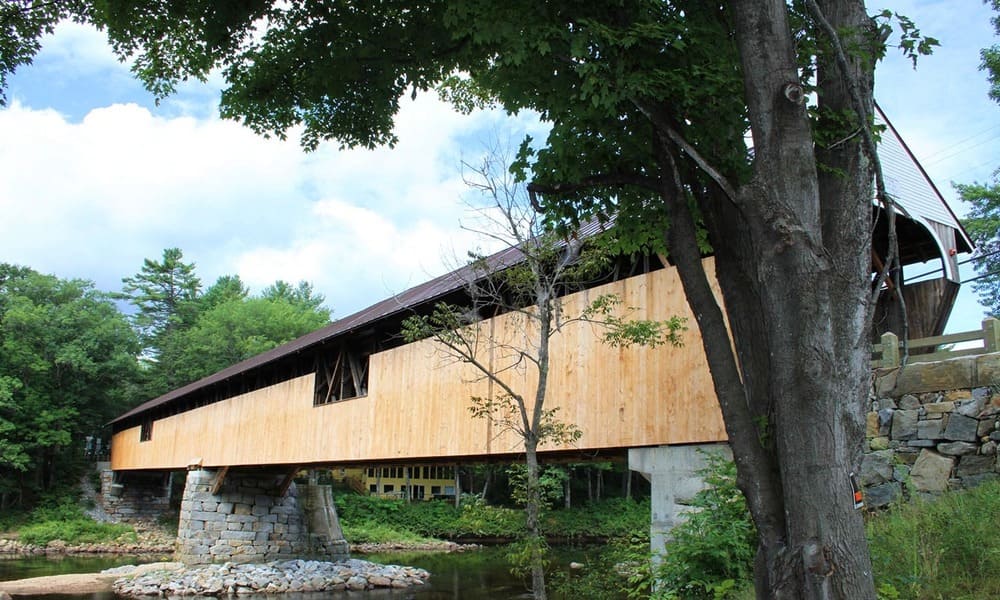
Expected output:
{"points": [[480, 574]]}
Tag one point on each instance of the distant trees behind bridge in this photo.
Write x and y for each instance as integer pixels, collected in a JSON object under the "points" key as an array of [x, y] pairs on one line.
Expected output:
{"points": [[72, 357]]}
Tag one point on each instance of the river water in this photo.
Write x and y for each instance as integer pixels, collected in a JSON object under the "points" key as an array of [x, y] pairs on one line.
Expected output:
{"points": [[473, 575]]}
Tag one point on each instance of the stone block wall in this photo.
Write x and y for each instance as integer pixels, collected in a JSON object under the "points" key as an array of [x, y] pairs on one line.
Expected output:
{"points": [[932, 427], [249, 519], [134, 497]]}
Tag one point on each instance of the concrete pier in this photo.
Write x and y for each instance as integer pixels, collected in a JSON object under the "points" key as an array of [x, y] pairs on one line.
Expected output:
{"points": [[673, 474]]}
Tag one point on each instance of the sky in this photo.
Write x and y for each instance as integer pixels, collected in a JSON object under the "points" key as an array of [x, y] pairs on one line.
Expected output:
{"points": [[95, 176]]}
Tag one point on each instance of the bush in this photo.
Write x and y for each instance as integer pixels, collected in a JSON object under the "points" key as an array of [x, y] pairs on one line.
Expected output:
{"points": [[369, 532], [612, 572], [712, 552], [475, 518], [56, 512], [611, 518], [75, 531]]}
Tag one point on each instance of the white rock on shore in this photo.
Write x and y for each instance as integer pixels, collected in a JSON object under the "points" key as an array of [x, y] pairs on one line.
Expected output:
{"points": [[270, 578]]}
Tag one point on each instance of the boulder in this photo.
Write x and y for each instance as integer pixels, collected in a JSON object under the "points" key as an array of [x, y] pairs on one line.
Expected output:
{"points": [[975, 464], [931, 472], [876, 468], [879, 496], [904, 424], [957, 448], [961, 428]]}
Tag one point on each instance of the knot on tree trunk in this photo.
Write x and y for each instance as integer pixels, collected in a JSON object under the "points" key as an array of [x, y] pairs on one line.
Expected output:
{"points": [[793, 92], [817, 559]]}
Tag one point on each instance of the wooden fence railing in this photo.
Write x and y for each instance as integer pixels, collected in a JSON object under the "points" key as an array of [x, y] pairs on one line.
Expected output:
{"points": [[888, 352]]}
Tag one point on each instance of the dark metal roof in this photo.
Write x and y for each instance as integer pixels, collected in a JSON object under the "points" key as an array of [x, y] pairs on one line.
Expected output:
{"points": [[409, 300]]}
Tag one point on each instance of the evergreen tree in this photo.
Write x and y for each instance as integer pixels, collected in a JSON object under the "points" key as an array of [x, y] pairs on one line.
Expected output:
{"points": [[164, 294], [983, 225]]}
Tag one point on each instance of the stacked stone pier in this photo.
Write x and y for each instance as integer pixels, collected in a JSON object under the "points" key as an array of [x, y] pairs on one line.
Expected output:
{"points": [[255, 515]]}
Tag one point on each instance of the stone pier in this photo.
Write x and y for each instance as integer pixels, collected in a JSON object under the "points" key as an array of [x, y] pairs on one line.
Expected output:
{"points": [[673, 474], [255, 516], [129, 497]]}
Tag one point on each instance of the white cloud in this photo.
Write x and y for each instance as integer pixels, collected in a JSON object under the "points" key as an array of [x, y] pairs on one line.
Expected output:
{"points": [[76, 46], [92, 199]]}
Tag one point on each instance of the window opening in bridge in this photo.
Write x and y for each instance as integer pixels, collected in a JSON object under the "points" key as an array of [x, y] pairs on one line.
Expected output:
{"points": [[146, 430], [341, 375]]}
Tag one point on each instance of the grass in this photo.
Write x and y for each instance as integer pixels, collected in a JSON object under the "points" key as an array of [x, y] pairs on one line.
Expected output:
{"points": [[75, 532], [64, 520], [368, 532], [946, 548]]}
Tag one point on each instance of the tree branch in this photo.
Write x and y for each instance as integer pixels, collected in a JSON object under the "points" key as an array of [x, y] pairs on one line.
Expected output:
{"points": [[871, 150], [663, 125]]}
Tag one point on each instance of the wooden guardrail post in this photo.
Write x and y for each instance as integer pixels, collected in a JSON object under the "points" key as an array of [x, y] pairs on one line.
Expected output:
{"points": [[991, 334], [890, 349]]}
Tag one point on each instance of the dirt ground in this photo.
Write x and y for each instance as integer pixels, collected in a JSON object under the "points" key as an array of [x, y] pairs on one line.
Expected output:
{"points": [[83, 583]]}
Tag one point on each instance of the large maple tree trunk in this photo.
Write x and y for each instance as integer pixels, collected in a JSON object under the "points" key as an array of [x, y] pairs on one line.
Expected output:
{"points": [[794, 275]]}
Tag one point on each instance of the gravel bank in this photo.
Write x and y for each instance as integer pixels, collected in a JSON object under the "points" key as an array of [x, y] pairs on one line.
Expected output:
{"points": [[229, 579]]}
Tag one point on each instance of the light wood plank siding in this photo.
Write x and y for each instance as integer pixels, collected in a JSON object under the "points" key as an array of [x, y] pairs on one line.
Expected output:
{"points": [[417, 405]]}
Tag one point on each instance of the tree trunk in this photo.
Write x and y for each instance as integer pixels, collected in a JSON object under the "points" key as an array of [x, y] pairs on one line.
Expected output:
{"points": [[815, 347], [486, 485], [532, 510], [791, 260], [567, 502]]}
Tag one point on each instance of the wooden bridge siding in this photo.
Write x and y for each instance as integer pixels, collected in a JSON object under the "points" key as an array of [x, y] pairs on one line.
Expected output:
{"points": [[418, 401], [636, 396]]}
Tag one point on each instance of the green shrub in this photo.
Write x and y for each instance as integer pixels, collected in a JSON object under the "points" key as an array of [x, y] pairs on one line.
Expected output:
{"points": [[712, 552], [611, 518], [480, 519], [369, 532], [475, 518], [75, 531], [46, 513], [946, 548], [612, 572]]}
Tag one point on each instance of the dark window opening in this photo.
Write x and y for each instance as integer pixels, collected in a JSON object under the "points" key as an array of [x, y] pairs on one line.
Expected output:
{"points": [[341, 375], [146, 431]]}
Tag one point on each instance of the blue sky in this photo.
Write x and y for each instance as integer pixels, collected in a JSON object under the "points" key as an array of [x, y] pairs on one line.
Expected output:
{"points": [[94, 176]]}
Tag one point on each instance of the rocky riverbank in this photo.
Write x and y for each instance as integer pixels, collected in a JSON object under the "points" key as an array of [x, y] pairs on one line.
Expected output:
{"points": [[146, 541], [269, 578], [440, 546]]}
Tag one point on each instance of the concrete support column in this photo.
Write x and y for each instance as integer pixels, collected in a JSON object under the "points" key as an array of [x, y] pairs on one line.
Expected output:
{"points": [[673, 473], [252, 516]]}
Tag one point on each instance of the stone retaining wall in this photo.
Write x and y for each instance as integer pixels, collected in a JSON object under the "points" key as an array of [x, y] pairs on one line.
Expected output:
{"points": [[932, 427], [249, 519]]}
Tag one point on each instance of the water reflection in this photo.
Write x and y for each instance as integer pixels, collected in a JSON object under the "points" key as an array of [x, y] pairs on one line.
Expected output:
{"points": [[481, 574]]}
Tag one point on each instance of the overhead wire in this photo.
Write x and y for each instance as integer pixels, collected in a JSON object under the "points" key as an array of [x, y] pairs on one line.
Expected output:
{"points": [[959, 263]]}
